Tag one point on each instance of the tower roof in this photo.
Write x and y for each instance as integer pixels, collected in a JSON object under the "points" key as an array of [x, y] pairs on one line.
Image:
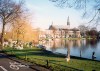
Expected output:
{"points": [[68, 23]]}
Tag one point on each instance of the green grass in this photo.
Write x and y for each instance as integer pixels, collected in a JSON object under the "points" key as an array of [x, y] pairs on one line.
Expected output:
{"points": [[56, 62]]}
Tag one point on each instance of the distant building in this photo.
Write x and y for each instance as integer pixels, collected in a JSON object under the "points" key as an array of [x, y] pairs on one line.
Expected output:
{"points": [[65, 31], [60, 31]]}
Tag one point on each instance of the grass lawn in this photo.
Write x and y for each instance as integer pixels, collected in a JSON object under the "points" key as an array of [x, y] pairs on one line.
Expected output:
{"points": [[55, 62]]}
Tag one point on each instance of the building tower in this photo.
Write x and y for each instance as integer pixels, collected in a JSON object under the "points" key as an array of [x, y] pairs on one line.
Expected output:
{"points": [[52, 23], [68, 23]]}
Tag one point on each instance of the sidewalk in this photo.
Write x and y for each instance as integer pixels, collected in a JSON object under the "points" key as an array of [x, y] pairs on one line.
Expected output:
{"points": [[31, 65]]}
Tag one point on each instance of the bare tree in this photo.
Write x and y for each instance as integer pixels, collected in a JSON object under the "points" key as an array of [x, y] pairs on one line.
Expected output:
{"points": [[9, 11], [78, 4], [90, 8], [83, 29]]}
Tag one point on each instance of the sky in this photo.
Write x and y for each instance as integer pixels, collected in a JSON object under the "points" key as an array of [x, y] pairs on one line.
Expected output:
{"points": [[45, 12]]}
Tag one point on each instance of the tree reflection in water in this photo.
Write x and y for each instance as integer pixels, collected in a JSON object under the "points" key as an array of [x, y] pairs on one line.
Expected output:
{"points": [[76, 47]]}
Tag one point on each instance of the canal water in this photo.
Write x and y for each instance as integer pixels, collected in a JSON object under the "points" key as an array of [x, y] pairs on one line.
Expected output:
{"points": [[80, 48]]}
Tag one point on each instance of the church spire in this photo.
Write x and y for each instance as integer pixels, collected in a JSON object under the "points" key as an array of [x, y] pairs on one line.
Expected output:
{"points": [[52, 23], [68, 23]]}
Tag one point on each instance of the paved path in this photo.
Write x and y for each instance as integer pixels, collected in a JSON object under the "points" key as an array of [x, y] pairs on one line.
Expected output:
{"points": [[7, 64]]}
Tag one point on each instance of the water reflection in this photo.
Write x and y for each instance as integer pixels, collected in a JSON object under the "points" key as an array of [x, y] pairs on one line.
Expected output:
{"points": [[92, 43], [81, 48]]}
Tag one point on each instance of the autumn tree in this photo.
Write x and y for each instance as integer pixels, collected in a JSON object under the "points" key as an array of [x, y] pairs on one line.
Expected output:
{"points": [[22, 30], [9, 11], [18, 28]]}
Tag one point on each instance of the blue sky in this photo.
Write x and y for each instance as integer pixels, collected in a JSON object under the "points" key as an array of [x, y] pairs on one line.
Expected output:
{"points": [[44, 12]]}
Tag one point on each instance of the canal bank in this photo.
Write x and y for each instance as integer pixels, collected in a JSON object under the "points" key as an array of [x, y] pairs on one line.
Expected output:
{"points": [[77, 47], [54, 61]]}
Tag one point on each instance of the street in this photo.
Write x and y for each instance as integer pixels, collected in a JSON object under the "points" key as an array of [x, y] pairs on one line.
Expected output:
{"points": [[7, 64]]}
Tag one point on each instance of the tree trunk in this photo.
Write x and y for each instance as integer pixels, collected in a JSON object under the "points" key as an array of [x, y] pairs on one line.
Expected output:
{"points": [[2, 35]]}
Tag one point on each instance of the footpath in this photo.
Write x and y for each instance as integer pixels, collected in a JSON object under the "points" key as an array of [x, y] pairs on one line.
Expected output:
{"points": [[33, 66]]}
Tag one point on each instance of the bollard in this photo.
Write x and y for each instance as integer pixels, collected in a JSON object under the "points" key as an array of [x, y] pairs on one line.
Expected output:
{"points": [[47, 63], [11, 52], [25, 56]]}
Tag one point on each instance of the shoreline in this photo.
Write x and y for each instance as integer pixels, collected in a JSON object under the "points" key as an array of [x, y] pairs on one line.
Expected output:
{"points": [[75, 57], [55, 61]]}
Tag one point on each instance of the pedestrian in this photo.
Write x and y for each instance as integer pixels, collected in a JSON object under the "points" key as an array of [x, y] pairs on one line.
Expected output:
{"points": [[93, 55]]}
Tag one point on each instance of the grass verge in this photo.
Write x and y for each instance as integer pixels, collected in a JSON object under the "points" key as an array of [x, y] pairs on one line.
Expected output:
{"points": [[53, 61]]}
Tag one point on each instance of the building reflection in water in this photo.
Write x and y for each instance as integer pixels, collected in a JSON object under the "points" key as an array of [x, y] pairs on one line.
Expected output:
{"points": [[69, 45]]}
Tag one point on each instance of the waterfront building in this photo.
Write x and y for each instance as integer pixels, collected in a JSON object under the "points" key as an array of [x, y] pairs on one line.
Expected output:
{"points": [[64, 31]]}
